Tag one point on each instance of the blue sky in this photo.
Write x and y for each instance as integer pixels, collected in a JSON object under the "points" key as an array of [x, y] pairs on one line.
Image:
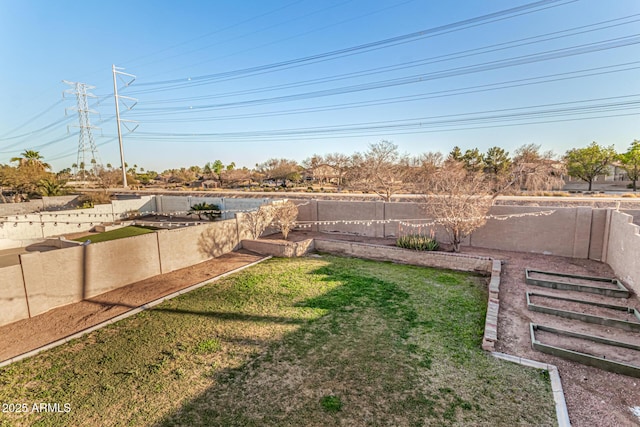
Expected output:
{"points": [[561, 74]]}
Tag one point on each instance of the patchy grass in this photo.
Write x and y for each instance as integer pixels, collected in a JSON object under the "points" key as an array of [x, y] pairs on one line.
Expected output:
{"points": [[331, 403], [311, 341], [119, 233]]}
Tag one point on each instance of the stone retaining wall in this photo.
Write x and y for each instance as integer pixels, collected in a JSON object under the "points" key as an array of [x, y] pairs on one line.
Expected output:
{"points": [[461, 262], [279, 248]]}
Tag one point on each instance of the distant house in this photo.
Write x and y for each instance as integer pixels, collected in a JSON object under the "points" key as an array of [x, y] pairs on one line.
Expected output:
{"points": [[614, 172], [321, 174]]}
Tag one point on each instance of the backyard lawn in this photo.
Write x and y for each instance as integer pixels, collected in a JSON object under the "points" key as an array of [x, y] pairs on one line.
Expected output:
{"points": [[314, 341], [118, 233]]}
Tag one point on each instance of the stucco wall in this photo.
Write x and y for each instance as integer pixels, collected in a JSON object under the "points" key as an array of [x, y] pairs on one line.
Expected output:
{"points": [[60, 222], [623, 249], [116, 263], [13, 300], [141, 204], [68, 275], [188, 246], [168, 204], [46, 203], [635, 213], [567, 232], [279, 248], [172, 204], [329, 211], [598, 226], [53, 278]]}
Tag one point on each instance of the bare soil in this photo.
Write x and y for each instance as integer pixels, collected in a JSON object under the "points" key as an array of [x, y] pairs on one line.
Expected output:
{"points": [[594, 397], [29, 334], [573, 280], [605, 351], [584, 308]]}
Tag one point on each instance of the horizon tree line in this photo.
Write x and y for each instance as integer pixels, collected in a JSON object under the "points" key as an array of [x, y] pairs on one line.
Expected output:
{"points": [[382, 169]]}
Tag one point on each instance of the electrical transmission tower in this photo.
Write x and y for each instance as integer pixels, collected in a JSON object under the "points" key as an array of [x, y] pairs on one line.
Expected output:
{"points": [[117, 72], [86, 142]]}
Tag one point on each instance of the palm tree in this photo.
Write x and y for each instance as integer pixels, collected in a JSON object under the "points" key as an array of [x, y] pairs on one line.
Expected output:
{"points": [[51, 187], [31, 158]]}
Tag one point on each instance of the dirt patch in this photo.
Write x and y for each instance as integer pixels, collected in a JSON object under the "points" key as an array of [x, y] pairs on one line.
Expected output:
{"points": [[583, 308], [586, 346], [593, 396], [584, 281], [29, 334]]}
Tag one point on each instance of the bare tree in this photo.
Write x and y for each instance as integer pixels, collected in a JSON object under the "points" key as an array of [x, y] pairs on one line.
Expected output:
{"points": [[381, 169], [280, 169], [340, 164], [284, 217], [459, 200], [534, 171], [258, 220], [235, 177], [423, 167]]}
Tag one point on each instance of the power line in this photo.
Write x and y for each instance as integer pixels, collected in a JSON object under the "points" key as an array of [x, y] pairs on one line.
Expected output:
{"points": [[209, 34], [590, 72], [484, 19], [488, 116], [416, 63], [419, 78], [40, 114], [251, 33]]}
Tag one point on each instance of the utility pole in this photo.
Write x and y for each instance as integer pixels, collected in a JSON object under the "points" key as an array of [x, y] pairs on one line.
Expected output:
{"points": [[86, 137], [116, 71]]}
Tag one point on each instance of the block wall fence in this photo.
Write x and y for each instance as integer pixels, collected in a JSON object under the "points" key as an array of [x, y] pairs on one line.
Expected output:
{"points": [[601, 234], [30, 227], [46, 280], [51, 279], [622, 248], [576, 232]]}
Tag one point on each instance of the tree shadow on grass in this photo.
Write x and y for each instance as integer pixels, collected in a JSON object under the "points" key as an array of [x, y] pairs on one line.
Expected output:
{"points": [[262, 392], [234, 316], [220, 315]]}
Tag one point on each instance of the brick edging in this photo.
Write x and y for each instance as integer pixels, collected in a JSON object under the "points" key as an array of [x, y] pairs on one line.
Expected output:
{"points": [[493, 307]]}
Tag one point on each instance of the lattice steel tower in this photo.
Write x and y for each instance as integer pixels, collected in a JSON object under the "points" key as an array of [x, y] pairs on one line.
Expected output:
{"points": [[86, 142]]}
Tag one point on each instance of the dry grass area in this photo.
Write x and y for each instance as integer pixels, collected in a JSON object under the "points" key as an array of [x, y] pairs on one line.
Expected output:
{"points": [[313, 341]]}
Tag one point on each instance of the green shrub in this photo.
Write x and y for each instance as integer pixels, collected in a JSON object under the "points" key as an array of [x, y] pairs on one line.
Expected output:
{"points": [[210, 211], [417, 242]]}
